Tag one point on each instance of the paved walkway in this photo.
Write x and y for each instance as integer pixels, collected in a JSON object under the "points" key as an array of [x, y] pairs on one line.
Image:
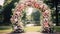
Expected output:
{"points": [[31, 33], [36, 33]]}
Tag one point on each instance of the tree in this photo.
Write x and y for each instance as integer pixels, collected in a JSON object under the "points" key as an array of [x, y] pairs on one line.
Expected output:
{"points": [[36, 17], [8, 5]]}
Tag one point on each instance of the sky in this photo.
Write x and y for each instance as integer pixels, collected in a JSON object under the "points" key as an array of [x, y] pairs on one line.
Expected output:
{"points": [[2, 2]]}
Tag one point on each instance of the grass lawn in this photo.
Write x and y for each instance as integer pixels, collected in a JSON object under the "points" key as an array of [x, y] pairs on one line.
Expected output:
{"points": [[33, 29], [57, 28], [5, 29], [26, 29]]}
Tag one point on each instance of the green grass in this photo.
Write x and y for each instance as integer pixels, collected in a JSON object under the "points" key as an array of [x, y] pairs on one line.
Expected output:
{"points": [[33, 29], [27, 29], [5, 29], [57, 28]]}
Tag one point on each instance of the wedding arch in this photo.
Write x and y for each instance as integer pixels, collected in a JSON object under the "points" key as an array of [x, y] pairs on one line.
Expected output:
{"points": [[40, 5]]}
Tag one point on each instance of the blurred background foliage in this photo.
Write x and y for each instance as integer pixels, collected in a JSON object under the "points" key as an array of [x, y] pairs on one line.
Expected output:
{"points": [[7, 11]]}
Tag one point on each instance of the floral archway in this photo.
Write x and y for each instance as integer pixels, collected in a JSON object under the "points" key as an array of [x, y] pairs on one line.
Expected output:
{"points": [[17, 14]]}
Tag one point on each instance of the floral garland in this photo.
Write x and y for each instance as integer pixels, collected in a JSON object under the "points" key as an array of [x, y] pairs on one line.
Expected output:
{"points": [[41, 6]]}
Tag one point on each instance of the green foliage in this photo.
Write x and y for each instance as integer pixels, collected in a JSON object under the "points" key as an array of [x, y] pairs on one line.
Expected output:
{"points": [[50, 3], [36, 17], [7, 2], [7, 12], [24, 15]]}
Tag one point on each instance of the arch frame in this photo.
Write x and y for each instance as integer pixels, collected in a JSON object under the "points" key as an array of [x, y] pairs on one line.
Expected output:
{"points": [[45, 10]]}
